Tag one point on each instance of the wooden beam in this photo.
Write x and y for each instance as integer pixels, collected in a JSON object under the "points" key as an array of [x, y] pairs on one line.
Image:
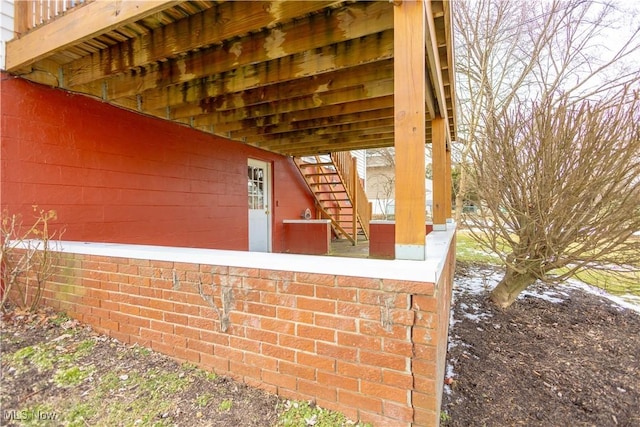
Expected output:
{"points": [[315, 150], [268, 49], [368, 90], [368, 121], [260, 71], [226, 123], [255, 127], [410, 113], [227, 92], [447, 181], [433, 59], [222, 22], [331, 130], [439, 166], [347, 137], [323, 147], [429, 98], [77, 26], [451, 89]]}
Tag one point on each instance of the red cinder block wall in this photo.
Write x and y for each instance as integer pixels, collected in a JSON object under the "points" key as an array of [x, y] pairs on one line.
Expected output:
{"points": [[117, 176], [307, 237]]}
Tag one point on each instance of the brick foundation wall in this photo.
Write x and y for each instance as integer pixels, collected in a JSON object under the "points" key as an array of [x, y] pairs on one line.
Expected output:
{"points": [[430, 338], [370, 348]]}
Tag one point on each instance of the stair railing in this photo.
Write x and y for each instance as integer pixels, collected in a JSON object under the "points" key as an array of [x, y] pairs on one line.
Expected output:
{"points": [[346, 166]]}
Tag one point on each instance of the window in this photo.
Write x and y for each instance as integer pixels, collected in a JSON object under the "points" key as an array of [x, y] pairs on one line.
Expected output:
{"points": [[256, 187]]}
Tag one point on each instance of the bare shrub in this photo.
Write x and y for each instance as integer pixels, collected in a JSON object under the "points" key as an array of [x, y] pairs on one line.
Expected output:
{"points": [[27, 258]]}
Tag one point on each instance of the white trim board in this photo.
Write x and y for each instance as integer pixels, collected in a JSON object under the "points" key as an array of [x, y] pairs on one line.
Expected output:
{"points": [[429, 270]]}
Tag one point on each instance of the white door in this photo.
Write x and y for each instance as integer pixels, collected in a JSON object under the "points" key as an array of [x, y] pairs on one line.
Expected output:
{"points": [[259, 206]]}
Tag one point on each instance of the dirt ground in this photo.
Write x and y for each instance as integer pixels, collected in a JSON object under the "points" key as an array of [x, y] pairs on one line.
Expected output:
{"points": [[125, 385], [574, 362], [539, 363]]}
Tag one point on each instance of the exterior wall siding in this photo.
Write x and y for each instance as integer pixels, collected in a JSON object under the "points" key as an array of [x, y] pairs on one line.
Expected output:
{"points": [[371, 348], [116, 176], [6, 28]]}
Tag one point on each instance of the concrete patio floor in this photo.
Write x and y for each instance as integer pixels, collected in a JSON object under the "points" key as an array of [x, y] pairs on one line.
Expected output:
{"points": [[344, 248]]}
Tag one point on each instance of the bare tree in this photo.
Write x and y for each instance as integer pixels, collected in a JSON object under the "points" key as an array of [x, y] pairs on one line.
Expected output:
{"points": [[560, 185], [547, 125]]}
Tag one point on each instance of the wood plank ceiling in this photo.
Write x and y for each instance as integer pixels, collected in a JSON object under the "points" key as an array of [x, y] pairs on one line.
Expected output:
{"points": [[293, 77]]}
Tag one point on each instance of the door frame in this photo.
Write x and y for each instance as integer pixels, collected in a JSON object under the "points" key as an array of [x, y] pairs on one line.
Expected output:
{"points": [[268, 197]]}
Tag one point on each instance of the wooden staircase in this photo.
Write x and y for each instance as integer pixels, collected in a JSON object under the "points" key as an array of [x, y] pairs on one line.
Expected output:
{"points": [[333, 179]]}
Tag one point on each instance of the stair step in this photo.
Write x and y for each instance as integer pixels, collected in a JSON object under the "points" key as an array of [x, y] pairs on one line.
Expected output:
{"points": [[308, 165], [326, 183], [321, 174], [337, 204]]}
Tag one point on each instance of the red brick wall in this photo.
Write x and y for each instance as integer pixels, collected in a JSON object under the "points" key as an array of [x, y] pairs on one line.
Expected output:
{"points": [[371, 348], [117, 176], [430, 337]]}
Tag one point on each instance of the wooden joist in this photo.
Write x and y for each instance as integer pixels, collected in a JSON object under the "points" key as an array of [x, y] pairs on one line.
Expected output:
{"points": [[290, 77], [85, 23], [231, 91], [225, 21]]}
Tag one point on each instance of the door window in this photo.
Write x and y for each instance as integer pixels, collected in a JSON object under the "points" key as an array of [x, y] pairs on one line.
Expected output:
{"points": [[256, 187]]}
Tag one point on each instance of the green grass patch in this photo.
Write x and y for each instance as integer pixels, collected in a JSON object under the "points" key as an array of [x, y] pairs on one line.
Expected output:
{"points": [[39, 355], [620, 284], [203, 399], [468, 250], [60, 319], [79, 414], [40, 414], [84, 348], [297, 414], [149, 395], [72, 376], [225, 405]]}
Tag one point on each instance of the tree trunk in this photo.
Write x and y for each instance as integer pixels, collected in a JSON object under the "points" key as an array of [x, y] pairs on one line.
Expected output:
{"points": [[462, 189], [511, 285]]}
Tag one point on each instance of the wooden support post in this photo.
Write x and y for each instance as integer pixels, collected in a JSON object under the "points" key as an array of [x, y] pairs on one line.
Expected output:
{"points": [[440, 177], [448, 184], [410, 113], [354, 195]]}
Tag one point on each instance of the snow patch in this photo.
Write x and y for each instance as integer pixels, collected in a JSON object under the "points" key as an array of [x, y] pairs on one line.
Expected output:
{"points": [[482, 281], [473, 312], [448, 374], [546, 295], [631, 302]]}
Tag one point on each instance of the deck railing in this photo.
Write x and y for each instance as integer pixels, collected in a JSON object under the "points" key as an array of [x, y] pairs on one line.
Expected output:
{"points": [[30, 14]]}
